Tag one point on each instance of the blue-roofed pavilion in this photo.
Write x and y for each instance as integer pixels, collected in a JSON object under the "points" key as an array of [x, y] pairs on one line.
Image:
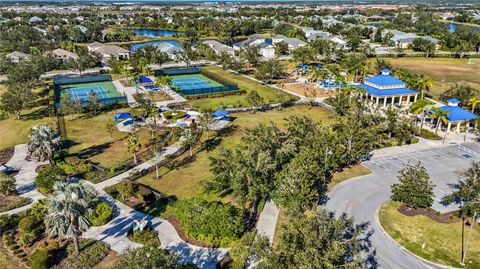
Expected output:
{"points": [[387, 90], [457, 115]]}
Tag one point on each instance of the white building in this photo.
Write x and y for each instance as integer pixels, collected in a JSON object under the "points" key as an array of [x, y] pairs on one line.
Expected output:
{"points": [[218, 47], [108, 51], [267, 50], [293, 43], [17, 56]]}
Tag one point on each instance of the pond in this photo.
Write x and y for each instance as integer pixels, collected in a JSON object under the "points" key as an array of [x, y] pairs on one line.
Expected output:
{"points": [[137, 46], [153, 33], [453, 27]]}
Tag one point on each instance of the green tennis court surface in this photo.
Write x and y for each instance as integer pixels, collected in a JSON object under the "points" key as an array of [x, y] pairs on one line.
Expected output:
{"points": [[194, 81], [105, 89]]}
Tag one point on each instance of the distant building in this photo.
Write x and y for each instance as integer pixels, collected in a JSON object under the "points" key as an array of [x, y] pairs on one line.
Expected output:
{"points": [[403, 39], [108, 51], [170, 49], [218, 47], [293, 43], [17, 56], [35, 20], [385, 89], [267, 50], [64, 55]]}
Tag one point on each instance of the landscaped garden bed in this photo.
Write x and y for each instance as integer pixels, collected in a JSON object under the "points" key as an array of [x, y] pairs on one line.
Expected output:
{"points": [[147, 236], [11, 202]]}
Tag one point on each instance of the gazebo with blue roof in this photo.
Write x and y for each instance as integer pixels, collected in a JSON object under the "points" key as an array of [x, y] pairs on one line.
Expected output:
{"points": [[457, 115], [389, 89]]}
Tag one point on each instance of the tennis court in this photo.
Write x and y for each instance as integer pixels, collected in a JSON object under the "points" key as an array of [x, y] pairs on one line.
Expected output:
{"points": [[194, 82], [104, 89]]}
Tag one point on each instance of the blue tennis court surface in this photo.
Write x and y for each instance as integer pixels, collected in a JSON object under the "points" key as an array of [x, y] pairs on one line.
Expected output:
{"points": [[83, 92], [190, 83]]}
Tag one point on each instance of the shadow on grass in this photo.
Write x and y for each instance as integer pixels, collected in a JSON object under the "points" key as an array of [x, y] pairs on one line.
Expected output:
{"points": [[92, 151]]}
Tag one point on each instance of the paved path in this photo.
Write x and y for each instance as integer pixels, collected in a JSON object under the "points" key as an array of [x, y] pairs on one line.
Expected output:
{"points": [[115, 232], [363, 196], [25, 179], [267, 221]]}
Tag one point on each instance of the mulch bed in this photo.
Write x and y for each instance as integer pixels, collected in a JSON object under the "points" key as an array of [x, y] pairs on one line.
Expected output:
{"points": [[176, 224], [6, 155], [450, 217]]}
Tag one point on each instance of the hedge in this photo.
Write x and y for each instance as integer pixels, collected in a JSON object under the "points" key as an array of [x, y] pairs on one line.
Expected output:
{"points": [[91, 253], [219, 224], [103, 214], [39, 259]]}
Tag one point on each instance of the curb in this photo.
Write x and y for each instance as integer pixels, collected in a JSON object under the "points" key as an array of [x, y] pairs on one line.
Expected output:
{"points": [[436, 265]]}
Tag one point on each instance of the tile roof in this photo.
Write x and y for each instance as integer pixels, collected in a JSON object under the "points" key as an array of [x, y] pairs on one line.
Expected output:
{"points": [[385, 80]]}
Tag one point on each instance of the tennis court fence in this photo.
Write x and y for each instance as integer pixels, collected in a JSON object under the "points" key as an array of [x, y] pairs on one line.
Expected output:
{"points": [[219, 79], [104, 101], [82, 79], [177, 71]]}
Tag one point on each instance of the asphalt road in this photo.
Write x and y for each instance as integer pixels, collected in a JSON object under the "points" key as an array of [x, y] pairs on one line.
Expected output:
{"points": [[363, 196]]}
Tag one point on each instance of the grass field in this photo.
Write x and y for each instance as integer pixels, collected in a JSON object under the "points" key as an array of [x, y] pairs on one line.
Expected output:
{"points": [[444, 71], [268, 93], [188, 180], [13, 131], [90, 140], [442, 241]]}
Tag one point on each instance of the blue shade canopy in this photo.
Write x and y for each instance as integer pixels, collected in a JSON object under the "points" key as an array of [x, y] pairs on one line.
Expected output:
{"points": [[122, 115], [385, 80], [457, 113], [454, 100], [220, 113], [144, 79]]}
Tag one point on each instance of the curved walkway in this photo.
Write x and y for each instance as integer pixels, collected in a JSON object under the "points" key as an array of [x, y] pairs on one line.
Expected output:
{"points": [[363, 196], [115, 232]]}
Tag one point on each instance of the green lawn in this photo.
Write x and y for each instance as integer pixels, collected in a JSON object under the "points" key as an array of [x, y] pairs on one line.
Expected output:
{"points": [[90, 139], [448, 70], [188, 180], [268, 93], [13, 131], [442, 241], [348, 173]]}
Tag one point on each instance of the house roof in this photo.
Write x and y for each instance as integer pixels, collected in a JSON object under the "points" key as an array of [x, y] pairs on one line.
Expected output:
{"points": [[18, 54], [65, 53], [167, 47], [385, 80], [453, 100], [457, 113], [386, 92]]}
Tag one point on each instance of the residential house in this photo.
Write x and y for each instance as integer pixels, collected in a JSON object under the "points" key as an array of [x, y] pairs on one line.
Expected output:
{"points": [[17, 56], [312, 35], [35, 20], [108, 51], [168, 48], [386, 89], [218, 47], [64, 55], [292, 43], [403, 40], [266, 48]]}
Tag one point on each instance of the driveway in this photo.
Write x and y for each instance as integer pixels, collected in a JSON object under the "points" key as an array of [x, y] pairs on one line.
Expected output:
{"points": [[363, 196]]}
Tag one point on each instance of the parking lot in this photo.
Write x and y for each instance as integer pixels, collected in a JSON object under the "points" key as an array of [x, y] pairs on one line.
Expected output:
{"points": [[445, 165]]}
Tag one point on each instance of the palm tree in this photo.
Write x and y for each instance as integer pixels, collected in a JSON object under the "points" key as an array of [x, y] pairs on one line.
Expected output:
{"points": [[43, 142], [440, 115], [189, 139], [133, 146], [424, 84], [473, 102], [164, 81], [421, 110], [68, 210]]}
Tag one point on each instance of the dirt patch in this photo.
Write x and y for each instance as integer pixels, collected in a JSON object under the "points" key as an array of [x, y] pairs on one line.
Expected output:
{"points": [[430, 213], [176, 224], [308, 89], [6, 155]]}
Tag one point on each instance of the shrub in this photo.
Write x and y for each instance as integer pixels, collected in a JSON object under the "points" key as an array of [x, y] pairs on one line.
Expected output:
{"points": [[47, 177], [125, 189], [94, 177], [8, 222], [7, 185], [103, 214], [16, 203], [39, 258], [148, 237], [29, 224], [219, 224], [429, 135], [92, 252]]}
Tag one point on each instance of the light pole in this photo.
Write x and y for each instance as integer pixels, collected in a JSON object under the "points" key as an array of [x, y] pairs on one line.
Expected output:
{"points": [[327, 152]]}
